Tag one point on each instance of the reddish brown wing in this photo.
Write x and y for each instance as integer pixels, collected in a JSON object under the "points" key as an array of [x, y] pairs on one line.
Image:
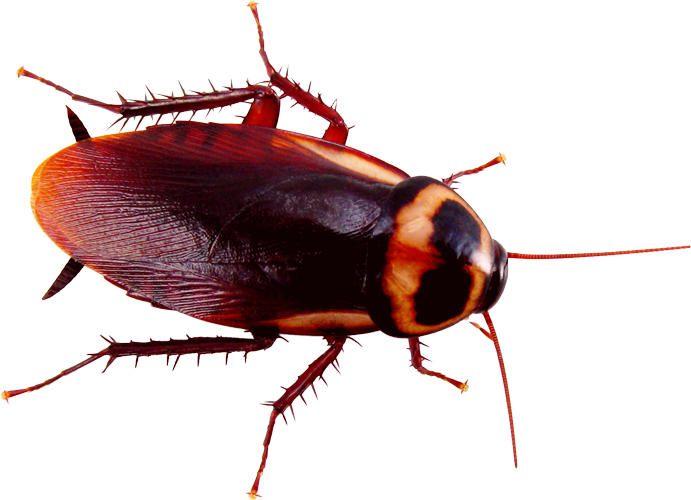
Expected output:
{"points": [[233, 224]]}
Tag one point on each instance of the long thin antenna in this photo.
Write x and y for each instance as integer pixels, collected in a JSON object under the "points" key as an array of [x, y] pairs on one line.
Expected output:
{"points": [[579, 255], [492, 335]]}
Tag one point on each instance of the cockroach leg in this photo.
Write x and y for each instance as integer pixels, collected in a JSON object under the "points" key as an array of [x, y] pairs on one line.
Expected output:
{"points": [[75, 97], [190, 345], [338, 130], [416, 359], [264, 110], [314, 371], [499, 159]]}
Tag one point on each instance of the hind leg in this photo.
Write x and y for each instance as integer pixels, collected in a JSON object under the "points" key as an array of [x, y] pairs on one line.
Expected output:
{"points": [[190, 345]]}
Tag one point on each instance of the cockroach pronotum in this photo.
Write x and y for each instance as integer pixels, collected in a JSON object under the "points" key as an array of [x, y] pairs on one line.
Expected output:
{"points": [[299, 298]]}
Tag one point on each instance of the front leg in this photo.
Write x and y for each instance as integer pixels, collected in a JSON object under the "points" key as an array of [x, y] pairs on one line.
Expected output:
{"points": [[416, 360]]}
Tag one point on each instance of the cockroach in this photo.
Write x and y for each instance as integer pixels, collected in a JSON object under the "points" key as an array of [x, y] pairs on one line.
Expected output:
{"points": [[276, 315]]}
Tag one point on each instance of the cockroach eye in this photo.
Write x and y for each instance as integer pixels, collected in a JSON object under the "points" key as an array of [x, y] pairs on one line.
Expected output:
{"points": [[497, 278]]}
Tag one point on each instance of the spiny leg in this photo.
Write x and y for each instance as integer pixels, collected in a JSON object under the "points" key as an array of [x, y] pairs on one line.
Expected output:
{"points": [[314, 371], [264, 109], [338, 130], [416, 359], [452, 179], [190, 345]]}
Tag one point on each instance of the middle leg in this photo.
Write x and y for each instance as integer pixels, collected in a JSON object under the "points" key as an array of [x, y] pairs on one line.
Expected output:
{"points": [[338, 130], [307, 379]]}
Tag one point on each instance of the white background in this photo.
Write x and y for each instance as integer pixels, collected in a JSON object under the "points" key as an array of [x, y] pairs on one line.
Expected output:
{"points": [[589, 101]]}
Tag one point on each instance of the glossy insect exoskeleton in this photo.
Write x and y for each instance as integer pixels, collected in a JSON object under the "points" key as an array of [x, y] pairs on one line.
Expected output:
{"points": [[216, 225], [265, 230]]}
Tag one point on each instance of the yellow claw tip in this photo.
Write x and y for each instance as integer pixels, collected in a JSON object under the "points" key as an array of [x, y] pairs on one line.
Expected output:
{"points": [[503, 158], [5, 395], [250, 5], [20, 71]]}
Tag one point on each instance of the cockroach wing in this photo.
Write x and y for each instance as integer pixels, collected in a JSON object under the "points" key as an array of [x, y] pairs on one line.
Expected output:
{"points": [[238, 225]]}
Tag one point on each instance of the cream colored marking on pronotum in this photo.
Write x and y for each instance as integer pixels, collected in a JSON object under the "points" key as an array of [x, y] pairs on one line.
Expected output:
{"points": [[411, 254]]}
